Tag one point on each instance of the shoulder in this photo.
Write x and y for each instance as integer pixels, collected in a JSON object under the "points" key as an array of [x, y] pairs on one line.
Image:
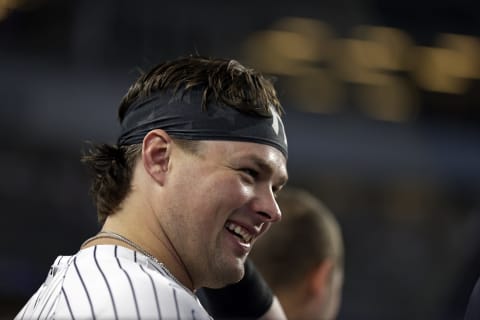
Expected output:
{"points": [[111, 280], [110, 268], [44, 300]]}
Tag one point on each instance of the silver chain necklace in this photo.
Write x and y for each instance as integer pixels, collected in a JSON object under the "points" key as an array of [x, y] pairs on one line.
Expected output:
{"points": [[119, 237]]}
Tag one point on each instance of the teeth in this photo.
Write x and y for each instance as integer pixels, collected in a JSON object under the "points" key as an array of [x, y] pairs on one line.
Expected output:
{"points": [[238, 230]]}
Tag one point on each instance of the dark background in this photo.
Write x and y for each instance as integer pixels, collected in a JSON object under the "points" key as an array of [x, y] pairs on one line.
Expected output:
{"points": [[383, 116]]}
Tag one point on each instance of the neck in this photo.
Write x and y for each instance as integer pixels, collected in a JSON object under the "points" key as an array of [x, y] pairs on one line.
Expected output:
{"points": [[156, 245]]}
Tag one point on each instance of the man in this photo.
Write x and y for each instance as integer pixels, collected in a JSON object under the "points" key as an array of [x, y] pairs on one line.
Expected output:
{"points": [[182, 197], [301, 258]]}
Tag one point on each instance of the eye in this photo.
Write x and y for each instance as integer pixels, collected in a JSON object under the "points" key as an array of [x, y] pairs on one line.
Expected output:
{"points": [[251, 172], [276, 191]]}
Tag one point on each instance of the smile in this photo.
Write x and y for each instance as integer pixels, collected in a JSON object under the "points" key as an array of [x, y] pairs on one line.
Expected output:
{"points": [[239, 231]]}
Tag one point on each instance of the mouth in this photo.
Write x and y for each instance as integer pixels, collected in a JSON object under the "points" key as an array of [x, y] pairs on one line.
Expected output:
{"points": [[240, 232]]}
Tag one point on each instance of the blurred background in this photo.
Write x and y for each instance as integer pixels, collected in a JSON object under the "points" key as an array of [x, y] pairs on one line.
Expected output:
{"points": [[383, 117]]}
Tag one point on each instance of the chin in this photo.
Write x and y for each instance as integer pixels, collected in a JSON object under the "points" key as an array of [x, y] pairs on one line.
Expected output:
{"points": [[227, 275]]}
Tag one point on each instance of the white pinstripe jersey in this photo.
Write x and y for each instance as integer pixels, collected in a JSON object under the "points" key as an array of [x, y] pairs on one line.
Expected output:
{"points": [[110, 282]]}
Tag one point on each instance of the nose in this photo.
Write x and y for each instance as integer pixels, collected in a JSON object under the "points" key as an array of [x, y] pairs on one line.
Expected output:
{"points": [[267, 207]]}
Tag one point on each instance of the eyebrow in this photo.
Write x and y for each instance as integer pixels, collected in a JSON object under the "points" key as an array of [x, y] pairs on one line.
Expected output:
{"points": [[267, 167]]}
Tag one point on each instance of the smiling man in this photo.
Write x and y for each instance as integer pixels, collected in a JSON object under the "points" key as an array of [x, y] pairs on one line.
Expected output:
{"points": [[182, 196]]}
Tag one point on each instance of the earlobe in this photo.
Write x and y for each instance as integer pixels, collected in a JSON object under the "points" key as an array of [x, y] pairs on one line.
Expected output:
{"points": [[156, 151]]}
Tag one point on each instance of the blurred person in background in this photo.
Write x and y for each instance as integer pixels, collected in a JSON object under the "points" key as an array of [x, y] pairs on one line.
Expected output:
{"points": [[472, 311], [182, 197], [301, 258]]}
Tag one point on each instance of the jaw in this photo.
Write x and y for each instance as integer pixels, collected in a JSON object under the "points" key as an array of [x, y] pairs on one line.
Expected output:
{"points": [[227, 265], [229, 257]]}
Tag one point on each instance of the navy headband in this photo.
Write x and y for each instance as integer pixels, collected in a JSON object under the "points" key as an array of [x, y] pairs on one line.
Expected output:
{"points": [[181, 116]]}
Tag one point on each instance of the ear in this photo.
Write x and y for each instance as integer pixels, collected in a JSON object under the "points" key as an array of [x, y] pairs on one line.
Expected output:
{"points": [[156, 151], [321, 276]]}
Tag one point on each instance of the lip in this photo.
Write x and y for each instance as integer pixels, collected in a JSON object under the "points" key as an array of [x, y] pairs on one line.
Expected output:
{"points": [[253, 231], [240, 247]]}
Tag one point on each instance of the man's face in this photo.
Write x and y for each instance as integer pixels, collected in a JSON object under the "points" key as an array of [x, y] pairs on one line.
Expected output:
{"points": [[222, 200]]}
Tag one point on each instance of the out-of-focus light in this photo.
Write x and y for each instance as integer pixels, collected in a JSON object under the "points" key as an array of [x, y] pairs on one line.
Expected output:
{"points": [[292, 47], [296, 48], [279, 51], [6, 6], [449, 68], [379, 69]]}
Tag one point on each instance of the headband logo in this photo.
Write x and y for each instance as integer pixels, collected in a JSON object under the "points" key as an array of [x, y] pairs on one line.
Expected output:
{"points": [[276, 123], [276, 120]]}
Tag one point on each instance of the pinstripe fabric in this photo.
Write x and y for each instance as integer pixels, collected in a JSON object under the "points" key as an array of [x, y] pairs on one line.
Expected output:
{"points": [[110, 282]]}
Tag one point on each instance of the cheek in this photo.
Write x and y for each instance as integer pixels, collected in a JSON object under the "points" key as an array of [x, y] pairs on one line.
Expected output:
{"points": [[228, 193], [238, 191], [212, 192]]}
